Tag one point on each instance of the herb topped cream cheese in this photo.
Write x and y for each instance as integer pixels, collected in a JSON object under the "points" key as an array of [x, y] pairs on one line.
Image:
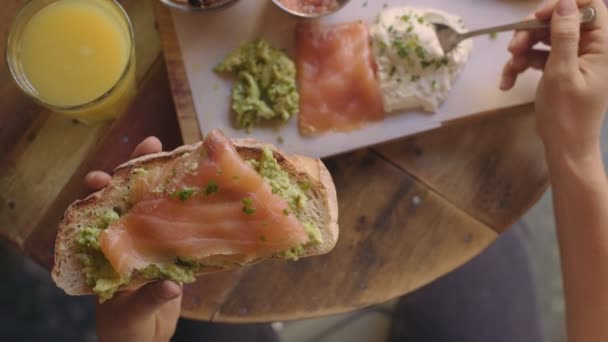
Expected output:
{"points": [[412, 68]]}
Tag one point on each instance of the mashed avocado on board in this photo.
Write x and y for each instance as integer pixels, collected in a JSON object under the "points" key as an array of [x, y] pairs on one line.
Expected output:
{"points": [[265, 88]]}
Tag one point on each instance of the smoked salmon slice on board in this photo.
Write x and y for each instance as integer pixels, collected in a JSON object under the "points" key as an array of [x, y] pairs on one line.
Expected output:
{"points": [[336, 77]]}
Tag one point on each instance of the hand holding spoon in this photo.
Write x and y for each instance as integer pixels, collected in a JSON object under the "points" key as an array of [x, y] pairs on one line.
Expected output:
{"points": [[449, 38]]}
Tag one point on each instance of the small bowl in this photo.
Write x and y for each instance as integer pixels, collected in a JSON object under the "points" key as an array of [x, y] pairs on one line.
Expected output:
{"points": [[341, 3], [185, 5]]}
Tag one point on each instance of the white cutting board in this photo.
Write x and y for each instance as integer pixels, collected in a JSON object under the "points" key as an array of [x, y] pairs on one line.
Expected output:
{"points": [[206, 38]]}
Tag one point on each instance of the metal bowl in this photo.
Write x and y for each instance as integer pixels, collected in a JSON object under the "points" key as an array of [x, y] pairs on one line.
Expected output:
{"points": [[341, 3], [199, 6]]}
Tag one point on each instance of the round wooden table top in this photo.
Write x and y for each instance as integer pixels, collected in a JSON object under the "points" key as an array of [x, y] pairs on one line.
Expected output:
{"points": [[410, 210]]}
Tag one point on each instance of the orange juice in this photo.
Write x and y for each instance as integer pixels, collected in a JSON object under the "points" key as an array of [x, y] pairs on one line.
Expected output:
{"points": [[76, 56]]}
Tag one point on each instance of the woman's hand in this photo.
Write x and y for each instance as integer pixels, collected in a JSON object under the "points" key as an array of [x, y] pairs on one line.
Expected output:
{"points": [[572, 96], [149, 313]]}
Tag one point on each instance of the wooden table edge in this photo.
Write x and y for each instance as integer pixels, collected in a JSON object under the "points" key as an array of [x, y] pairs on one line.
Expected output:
{"points": [[178, 78]]}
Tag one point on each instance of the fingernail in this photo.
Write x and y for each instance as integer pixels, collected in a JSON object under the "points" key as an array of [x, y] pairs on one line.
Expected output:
{"points": [[505, 83], [511, 44], [170, 290], [566, 7]]}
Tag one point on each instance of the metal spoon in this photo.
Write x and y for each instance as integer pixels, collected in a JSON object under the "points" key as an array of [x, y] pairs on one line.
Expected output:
{"points": [[341, 3], [449, 38]]}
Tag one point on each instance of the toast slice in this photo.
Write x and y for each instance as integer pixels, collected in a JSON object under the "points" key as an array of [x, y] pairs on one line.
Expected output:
{"points": [[322, 209]]}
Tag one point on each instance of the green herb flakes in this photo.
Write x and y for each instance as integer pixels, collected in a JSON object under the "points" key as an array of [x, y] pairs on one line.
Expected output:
{"points": [[211, 188], [401, 49], [184, 194], [248, 206]]}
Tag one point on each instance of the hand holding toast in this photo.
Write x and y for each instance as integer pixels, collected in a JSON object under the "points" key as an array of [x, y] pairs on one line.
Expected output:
{"points": [[149, 313]]}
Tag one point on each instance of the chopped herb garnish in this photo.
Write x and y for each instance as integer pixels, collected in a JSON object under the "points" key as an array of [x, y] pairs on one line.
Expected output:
{"points": [[405, 18], [410, 29], [420, 52], [425, 64], [382, 46], [262, 238], [174, 172], [434, 85], [211, 188], [493, 35], [390, 29], [444, 61], [401, 49], [420, 19], [248, 206], [393, 71], [184, 194], [415, 78], [286, 212]]}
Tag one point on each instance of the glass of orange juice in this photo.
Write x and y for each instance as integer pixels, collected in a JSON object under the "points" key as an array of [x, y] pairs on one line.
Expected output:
{"points": [[75, 57]]}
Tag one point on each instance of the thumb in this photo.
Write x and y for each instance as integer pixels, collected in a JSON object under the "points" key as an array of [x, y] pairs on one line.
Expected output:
{"points": [[151, 297], [565, 35]]}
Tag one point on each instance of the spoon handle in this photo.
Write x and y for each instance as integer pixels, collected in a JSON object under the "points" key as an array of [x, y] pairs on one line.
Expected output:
{"points": [[587, 15]]}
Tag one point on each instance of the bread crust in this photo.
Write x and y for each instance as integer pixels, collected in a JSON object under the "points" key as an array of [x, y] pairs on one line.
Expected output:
{"points": [[67, 269]]}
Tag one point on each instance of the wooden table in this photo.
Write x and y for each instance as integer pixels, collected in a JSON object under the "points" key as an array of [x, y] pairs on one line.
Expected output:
{"points": [[410, 210]]}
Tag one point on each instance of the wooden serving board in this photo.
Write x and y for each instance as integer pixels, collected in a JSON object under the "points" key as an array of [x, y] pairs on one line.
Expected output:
{"points": [[206, 39], [410, 211]]}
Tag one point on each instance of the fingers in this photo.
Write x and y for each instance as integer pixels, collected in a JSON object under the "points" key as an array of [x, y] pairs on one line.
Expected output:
{"points": [[545, 12], [149, 313], [153, 296], [565, 36], [535, 59], [524, 40], [149, 145], [97, 180]]}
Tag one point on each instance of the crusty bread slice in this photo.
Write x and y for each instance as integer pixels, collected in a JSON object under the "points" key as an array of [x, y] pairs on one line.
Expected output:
{"points": [[322, 208]]}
